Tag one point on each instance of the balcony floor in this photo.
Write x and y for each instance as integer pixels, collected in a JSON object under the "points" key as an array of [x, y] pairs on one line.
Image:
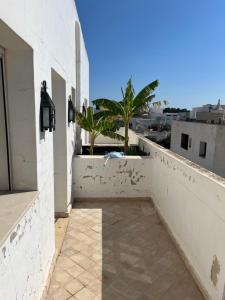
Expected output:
{"points": [[119, 251]]}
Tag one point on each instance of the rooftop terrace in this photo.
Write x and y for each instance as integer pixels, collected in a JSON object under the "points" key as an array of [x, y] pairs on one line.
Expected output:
{"points": [[119, 250], [148, 227]]}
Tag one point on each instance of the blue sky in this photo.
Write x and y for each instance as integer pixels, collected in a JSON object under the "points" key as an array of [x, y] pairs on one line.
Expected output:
{"points": [[180, 43]]}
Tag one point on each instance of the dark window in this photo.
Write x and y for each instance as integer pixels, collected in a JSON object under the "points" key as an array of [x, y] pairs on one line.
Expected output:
{"points": [[184, 141], [202, 149]]}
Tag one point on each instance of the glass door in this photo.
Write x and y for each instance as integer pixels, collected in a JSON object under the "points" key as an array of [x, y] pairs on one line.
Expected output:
{"points": [[5, 184]]}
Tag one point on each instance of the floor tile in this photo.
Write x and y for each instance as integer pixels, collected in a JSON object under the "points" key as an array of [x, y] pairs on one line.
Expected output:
{"points": [[119, 251]]}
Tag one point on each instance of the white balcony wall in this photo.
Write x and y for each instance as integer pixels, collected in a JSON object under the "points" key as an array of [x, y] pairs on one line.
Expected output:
{"points": [[94, 177], [190, 200]]}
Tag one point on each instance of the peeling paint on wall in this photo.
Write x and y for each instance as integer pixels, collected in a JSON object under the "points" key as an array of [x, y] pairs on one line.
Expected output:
{"points": [[125, 176], [215, 270], [4, 252], [13, 236], [31, 247]]}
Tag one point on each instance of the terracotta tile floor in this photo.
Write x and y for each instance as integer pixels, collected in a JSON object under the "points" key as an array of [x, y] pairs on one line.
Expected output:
{"points": [[119, 251]]}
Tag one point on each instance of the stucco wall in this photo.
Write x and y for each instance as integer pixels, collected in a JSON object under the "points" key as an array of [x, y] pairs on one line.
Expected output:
{"points": [[26, 254], [46, 51], [192, 202], [39, 38], [118, 178]]}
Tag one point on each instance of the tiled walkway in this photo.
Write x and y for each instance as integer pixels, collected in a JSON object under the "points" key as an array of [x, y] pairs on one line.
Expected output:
{"points": [[119, 251]]}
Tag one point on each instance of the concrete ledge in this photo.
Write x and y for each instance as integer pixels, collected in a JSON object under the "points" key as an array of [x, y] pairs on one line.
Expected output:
{"points": [[146, 145], [26, 245], [13, 206]]}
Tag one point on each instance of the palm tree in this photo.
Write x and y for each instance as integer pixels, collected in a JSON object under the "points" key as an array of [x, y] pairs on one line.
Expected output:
{"points": [[97, 125], [130, 105]]}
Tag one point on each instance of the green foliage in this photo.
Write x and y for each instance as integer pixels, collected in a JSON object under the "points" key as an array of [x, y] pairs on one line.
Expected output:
{"points": [[174, 110], [129, 106], [97, 125]]}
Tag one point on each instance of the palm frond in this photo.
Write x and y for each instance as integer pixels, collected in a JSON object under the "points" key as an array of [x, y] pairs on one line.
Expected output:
{"points": [[122, 92], [142, 104], [150, 98], [108, 104], [145, 92], [103, 114], [129, 93], [82, 121], [89, 116]]}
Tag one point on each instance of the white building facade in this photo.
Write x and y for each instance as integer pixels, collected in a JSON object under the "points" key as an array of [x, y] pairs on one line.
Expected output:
{"points": [[39, 41], [203, 112], [201, 143]]}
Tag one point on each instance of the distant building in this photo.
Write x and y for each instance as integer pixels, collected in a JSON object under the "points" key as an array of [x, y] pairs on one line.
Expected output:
{"points": [[202, 143], [142, 123], [215, 114], [208, 112], [178, 115]]}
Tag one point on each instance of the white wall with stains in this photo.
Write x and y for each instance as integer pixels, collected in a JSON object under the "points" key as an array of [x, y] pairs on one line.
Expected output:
{"points": [[26, 253], [39, 39], [118, 178], [33, 52], [190, 199]]}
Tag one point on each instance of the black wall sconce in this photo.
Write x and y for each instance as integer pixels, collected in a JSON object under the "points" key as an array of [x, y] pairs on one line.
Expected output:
{"points": [[71, 111], [47, 110]]}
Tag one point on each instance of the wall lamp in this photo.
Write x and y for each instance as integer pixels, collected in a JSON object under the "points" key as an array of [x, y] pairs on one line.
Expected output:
{"points": [[47, 110], [71, 111]]}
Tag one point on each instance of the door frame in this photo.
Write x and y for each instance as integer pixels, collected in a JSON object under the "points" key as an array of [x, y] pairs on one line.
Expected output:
{"points": [[2, 66]]}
